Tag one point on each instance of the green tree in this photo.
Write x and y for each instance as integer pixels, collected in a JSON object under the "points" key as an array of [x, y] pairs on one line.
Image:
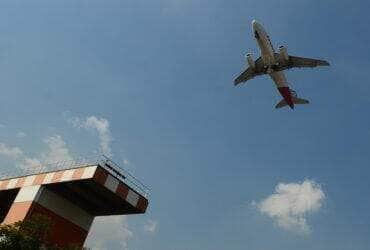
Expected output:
{"points": [[29, 234]]}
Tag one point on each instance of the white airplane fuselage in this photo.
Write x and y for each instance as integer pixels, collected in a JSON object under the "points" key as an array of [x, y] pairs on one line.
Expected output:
{"points": [[269, 60]]}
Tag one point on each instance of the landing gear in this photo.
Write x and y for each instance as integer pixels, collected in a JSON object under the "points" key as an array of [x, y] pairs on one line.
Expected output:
{"points": [[271, 68]]}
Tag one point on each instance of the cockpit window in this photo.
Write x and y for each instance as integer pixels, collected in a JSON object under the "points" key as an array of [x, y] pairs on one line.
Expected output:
{"points": [[256, 35]]}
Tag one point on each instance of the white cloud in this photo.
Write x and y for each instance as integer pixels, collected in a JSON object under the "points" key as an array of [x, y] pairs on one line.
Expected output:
{"points": [[29, 163], [150, 226], [109, 233], [21, 134], [17, 155], [101, 125], [289, 205], [56, 151], [13, 153]]}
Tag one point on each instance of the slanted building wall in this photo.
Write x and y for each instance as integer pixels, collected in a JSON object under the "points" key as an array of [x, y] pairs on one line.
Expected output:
{"points": [[70, 224]]}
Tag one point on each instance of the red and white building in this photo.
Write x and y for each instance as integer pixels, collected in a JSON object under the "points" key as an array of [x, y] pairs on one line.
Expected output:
{"points": [[71, 194]]}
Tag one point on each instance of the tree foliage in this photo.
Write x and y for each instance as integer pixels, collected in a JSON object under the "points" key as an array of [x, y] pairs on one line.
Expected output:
{"points": [[29, 234]]}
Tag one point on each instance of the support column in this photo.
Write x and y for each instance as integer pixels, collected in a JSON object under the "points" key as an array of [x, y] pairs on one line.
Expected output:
{"points": [[70, 224]]}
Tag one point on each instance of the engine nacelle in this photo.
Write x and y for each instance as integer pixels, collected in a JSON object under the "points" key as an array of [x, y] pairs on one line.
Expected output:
{"points": [[283, 53], [250, 61]]}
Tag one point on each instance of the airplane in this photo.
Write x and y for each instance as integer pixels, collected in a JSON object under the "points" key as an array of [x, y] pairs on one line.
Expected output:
{"points": [[274, 64]]}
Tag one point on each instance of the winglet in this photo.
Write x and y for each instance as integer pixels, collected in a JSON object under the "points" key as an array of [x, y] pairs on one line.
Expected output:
{"points": [[323, 63]]}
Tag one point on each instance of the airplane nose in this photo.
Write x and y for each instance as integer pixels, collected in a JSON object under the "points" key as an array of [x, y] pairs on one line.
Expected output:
{"points": [[254, 24]]}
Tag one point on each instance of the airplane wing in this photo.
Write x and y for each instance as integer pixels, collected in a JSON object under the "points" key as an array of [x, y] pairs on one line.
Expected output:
{"points": [[293, 62], [301, 62], [245, 76], [250, 72]]}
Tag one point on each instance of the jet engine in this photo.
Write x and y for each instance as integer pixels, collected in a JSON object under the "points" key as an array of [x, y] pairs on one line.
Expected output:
{"points": [[283, 54], [250, 60]]}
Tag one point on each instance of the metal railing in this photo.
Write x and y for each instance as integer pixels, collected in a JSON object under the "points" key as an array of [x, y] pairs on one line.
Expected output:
{"points": [[101, 160]]}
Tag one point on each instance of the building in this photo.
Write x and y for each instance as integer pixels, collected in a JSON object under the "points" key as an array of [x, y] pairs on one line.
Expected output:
{"points": [[71, 194]]}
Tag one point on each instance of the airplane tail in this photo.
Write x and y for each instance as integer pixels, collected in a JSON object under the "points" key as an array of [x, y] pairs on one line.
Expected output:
{"points": [[295, 100]]}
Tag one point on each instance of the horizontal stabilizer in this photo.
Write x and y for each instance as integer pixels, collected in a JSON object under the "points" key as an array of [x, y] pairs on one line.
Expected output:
{"points": [[295, 100], [281, 104]]}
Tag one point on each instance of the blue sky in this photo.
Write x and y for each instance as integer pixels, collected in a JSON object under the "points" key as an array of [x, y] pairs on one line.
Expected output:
{"points": [[161, 73]]}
